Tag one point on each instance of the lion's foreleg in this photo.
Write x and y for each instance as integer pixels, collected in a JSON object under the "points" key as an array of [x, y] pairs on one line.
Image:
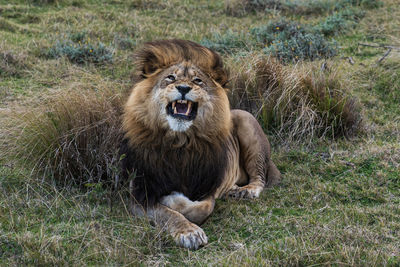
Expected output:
{"points": [[195, 211], [185, 233]]}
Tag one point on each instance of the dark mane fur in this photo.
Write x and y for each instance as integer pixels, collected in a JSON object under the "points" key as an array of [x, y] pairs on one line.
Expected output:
{"points": [[162, 170]]}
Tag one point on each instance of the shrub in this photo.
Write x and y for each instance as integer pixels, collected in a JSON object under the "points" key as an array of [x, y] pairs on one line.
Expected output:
{"points": [[79, 49], [352, 14], [228, 42], [305, 7], [290, 41], [296, 102], [124, 43], [339, 22], [72, 136], [332, 25]]}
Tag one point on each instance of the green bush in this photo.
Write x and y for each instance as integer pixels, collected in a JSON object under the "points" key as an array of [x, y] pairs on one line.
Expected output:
{"points": [[352, 14], [228, 42], [290, 41], [338, 23], [79, 49], [124, 43], [332, 25]]}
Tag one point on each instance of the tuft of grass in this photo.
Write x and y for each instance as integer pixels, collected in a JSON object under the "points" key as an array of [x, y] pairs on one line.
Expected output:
{"points": [[12, 63], [296, 102], [80, 49], [71, 136]]}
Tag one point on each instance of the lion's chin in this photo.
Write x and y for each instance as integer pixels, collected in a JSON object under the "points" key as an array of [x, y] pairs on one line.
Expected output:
{"points": [[179, 124]]}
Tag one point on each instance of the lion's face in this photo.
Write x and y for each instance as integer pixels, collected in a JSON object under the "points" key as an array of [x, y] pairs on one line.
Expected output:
{"points": [[181, 98], [185, 96]]}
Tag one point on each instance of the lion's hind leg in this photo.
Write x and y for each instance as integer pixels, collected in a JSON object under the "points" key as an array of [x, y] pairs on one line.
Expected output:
{"points": [[195, 211], [254, 157]]}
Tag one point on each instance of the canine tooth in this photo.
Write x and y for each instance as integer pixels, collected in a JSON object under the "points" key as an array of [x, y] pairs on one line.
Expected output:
{"points": [[173, 104], [175, 110], [189, 108]]}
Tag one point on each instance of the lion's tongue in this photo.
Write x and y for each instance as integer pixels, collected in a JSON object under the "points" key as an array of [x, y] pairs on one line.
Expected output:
{"points": [[181, 108]]}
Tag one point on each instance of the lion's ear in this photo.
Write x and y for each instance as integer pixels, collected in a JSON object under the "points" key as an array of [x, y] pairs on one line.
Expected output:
{"points": [[222, 77], [146, 62]]}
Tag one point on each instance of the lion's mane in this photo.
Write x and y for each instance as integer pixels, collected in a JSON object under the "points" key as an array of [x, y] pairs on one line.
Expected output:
{"points": [[160, 160]]}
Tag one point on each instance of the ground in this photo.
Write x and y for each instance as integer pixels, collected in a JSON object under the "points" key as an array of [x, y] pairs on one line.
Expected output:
{"points": [[339, 200]]}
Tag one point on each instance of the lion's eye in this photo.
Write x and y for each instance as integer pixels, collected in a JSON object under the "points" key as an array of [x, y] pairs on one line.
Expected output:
{"points": [[170, 78], [198, 81]]}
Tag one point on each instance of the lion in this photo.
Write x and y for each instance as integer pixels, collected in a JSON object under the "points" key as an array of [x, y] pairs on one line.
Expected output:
{"points": [[183, 145]]}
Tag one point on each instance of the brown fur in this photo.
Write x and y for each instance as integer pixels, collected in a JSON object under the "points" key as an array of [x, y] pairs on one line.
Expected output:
{"points": [[181, 167]]}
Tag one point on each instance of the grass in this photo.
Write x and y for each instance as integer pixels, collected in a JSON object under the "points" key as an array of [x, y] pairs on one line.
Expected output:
{"points": [[295, 7], [339, 200], [298, 102]]}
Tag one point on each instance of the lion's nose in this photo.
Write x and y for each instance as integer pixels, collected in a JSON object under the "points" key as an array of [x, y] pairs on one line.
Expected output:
{"points": [[183, 89]]}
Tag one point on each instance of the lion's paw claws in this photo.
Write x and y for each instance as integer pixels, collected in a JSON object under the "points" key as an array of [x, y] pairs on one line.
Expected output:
{"points": [[192, 238], [244, 192]]}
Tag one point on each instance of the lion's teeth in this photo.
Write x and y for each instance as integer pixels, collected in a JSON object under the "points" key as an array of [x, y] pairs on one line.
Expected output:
{"points": [[189, 108], [175, 112], [182, 101], [173, 104]]}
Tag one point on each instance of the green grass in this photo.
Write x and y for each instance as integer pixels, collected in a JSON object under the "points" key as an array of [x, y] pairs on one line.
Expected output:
{"points": [[338, 204]]}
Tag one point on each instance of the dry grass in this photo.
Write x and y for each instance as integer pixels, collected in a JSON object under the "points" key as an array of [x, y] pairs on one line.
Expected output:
{"points": [[72, 136], [297, 102], [338, 203], [12, 63]]}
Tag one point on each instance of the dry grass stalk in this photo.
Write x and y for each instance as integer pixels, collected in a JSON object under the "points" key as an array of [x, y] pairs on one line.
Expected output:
{"points": [[297, 102], [72, 136]]}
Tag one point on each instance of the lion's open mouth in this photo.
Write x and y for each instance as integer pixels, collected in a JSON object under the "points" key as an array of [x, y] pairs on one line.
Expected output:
{"points": [[182, 109]]}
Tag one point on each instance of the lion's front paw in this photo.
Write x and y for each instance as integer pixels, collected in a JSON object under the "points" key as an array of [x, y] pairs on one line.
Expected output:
{"points": [[191, 237], [247, 191]]}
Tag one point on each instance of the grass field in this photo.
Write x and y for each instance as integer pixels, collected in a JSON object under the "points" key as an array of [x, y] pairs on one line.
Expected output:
{"points": [[339, 201]]}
